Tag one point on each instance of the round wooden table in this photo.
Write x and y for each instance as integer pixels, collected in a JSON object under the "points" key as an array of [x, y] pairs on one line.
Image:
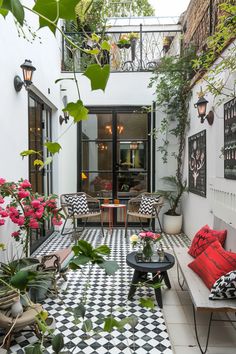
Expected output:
{"points": [[110, 208], [158, 270]]}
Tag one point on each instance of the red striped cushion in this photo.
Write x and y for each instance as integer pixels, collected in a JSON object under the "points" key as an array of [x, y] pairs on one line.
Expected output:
{"points": [[204, 237], [213, 263]]}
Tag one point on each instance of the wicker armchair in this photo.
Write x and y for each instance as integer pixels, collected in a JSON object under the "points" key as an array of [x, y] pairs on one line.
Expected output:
{"points": [[133, 209], [25, 322], [79, 206]]}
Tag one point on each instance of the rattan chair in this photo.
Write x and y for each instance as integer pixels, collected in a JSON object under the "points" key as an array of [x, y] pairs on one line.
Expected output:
{"points": [[73, 213], [133, 209], [24, 323]]}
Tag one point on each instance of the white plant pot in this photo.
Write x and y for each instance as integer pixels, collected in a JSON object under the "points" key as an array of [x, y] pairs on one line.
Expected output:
{"points": [[172, 224]]}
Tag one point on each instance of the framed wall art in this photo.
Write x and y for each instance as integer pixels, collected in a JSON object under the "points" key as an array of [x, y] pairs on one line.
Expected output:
{"points": [[197, 163], [230, 139]]}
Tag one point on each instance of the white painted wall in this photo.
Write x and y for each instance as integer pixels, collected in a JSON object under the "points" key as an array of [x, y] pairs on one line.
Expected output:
{"points": [[197, 210], [45, 56]]}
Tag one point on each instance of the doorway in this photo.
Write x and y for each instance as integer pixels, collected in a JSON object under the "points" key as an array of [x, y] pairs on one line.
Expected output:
{"points": [[114, 154], [40, 130]]}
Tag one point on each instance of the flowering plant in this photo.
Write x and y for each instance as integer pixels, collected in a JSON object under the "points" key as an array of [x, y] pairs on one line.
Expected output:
{"points": [[26, 209], [144, 236]]}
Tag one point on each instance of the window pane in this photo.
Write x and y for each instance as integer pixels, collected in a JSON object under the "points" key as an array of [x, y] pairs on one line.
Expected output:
{"points": [[97, 184], [132, 126], [132, 155], [97, 126], [130, 184], [96, 155]]}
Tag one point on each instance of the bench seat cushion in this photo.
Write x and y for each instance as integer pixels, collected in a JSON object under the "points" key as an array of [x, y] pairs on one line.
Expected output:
{"points": [[213, 263], [198, 291], [204, 237]]}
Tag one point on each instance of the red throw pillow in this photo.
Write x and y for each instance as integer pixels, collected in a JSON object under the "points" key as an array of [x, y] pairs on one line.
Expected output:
{"points": [[204, 237], [213, 263]]}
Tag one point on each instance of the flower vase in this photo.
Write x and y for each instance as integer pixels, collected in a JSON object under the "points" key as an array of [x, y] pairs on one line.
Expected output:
{"points": [[147, 251]]}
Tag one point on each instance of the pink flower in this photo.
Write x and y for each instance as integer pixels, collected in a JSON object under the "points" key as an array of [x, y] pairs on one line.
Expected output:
{"points": [[33, 224], [35, 203], [20, 221], [1, 200], [2, 181], [23, 194], [15, 234], [2, 222], [56, 221], [25, 184], [4, 213], [38, 214]]}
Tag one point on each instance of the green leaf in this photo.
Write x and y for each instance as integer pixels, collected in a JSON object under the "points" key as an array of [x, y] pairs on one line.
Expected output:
{"points": [[79, 311], [48, 8], [47, 162], [106, 46], [15, 7], [110, 323], [77, 111], [110, 267], [28, 152], [34, 349], [95, 51], [53, 147], [74, 266], [80, 260], [20, 279], [147, 303], [83, 247], [132, 321], [57, 342], [3, 12], [38, 162], [103, 249], [98, 76], [95, 37], [87, 326]]}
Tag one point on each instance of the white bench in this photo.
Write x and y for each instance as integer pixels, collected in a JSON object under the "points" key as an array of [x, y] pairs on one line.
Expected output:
{"points": [[199, 293]]}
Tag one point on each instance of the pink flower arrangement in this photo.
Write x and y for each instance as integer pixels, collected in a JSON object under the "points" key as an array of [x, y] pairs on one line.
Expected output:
{"points": [[26, 209], [149, 235]]}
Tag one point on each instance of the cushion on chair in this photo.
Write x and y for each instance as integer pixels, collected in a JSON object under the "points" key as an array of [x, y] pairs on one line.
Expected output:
{"points": [[204, 237], [146, 205], [212, 263], [224, 287], [77, 204]]}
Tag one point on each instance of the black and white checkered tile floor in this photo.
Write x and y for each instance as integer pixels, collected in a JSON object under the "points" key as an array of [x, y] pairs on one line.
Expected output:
{"points": [[150, 335]]}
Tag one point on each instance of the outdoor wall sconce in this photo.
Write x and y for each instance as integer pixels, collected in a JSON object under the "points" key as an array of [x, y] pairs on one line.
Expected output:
{"points": [[28, 70], [201, 105], [65, 118]]}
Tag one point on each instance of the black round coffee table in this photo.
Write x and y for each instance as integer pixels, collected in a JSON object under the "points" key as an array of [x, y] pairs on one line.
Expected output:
{"points": [[158, 270]]}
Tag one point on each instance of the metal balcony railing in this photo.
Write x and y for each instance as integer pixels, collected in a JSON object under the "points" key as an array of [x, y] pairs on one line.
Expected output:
{"points": [[142, 54]]}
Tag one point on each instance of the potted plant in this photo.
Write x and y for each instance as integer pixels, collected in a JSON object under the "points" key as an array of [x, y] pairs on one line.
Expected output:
{"points": [[124, 41], [172, 219]]}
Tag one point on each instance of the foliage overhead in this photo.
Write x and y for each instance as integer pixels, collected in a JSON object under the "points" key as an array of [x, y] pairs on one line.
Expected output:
{"points": [[206, 61], [171, 81]]}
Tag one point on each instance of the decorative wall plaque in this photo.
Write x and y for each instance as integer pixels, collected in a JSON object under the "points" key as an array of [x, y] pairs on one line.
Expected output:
{"points": [[197, 163], [230, 139]]}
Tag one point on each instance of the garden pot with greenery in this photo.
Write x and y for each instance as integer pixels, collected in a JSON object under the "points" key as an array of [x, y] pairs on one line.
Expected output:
{"points": [[172, 220]]}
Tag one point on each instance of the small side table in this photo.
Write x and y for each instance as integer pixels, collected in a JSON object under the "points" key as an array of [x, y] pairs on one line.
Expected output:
{"points": [[111, 208], [158, 270]]}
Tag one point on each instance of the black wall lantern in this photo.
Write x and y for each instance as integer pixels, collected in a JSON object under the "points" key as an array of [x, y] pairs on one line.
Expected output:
{"points": [[65, 118], [201, 106], [28, 70]]}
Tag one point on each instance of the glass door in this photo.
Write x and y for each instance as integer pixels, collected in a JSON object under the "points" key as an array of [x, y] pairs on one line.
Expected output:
{"points": [[41, 180], [115, 147]]}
